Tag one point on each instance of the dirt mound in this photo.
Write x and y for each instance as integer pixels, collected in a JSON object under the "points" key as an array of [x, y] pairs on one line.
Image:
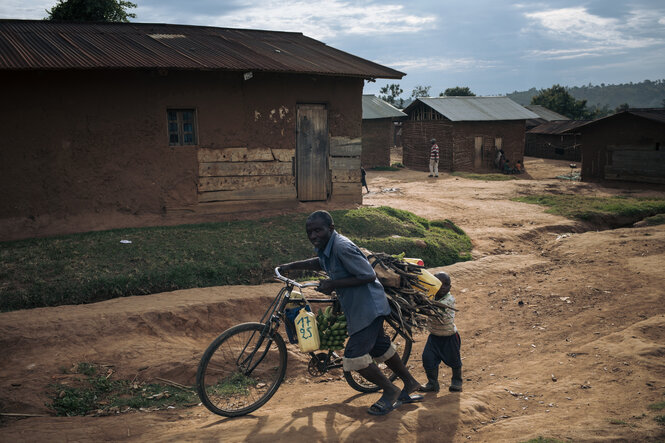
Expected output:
{"points": [[563, 335]]}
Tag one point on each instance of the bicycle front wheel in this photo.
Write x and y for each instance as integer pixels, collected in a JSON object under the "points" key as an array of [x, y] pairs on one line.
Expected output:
{"points": [[403, 348], [241, 370]]}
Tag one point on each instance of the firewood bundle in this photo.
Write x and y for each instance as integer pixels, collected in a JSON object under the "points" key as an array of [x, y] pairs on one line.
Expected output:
{"points": [[407, 295]]}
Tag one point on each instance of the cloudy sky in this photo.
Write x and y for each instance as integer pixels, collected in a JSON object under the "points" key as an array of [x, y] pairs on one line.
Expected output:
{"points": [[492, 46]]}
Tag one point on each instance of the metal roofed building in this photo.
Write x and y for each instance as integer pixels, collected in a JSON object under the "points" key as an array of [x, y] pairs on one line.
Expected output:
{"points": [[559, 140], [468, 130], [626, 146], [39, 44], [380, 130], [110, 122], [544, 115]]}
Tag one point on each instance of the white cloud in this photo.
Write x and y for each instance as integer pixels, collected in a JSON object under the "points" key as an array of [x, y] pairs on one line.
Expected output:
{"points": [[323, 19], [426, 64], [586, 34]]}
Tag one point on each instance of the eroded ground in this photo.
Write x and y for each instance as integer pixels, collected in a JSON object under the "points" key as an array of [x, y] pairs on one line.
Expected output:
{"points": [[563, 335]]}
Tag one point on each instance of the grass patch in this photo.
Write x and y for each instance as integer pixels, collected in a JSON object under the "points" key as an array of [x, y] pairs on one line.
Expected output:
{"points": [[397, 165], [594, 208], [95, 266], [655, 220], [385, 168], [486, 177], [660, 419], [659, 406], [236, 384], [99, 394]]}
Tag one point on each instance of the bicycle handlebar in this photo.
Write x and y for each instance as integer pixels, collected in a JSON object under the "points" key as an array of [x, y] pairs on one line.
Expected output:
{"points": [[280, 277]]}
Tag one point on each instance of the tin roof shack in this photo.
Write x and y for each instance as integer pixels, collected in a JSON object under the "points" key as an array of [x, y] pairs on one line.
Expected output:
{"points": [[557, 140], [545, 115], [625, 146], [118, 119], [378, 130], [468, 130]]}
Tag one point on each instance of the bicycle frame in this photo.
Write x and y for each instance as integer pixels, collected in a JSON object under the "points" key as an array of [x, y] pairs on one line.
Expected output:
{"points": [[272, 318]]}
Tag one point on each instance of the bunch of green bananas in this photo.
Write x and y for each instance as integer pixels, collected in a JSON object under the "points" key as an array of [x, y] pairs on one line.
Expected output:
{"points": [[332, 329]]}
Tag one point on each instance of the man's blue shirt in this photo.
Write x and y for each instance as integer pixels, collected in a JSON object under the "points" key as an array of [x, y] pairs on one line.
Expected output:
{"points": [[341, 258]]}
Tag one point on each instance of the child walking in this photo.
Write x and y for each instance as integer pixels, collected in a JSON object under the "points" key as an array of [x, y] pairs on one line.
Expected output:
{"points": [[443, 343]]}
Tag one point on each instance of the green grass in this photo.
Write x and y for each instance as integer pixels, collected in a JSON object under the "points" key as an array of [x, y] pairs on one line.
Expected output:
{"points": [[95, 266], [487, 177], [236, 384], [593, 208], [99, 394], [659, 406], [655, 220]]}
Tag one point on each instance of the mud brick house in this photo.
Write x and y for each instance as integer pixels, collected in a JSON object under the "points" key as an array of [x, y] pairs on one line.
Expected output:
{"points": [[557, 140], [545, 115], [378, 130], [468, 130], [107, 119], [626, 146]]}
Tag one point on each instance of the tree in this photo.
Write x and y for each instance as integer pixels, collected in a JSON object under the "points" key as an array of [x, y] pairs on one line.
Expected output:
{"points": [[391, 94], [420, 91], [622, 107], [458, 91], [91, 11], [558, 99]]}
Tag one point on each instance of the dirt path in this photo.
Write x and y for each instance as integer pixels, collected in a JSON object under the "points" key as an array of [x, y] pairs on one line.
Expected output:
{"points": [[563, 335]]}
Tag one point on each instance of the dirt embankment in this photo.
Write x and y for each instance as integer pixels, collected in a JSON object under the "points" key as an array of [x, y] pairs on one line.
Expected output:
{"points": [[563, 335]]}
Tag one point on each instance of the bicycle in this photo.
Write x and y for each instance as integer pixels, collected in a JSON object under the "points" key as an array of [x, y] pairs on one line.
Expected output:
{"points": [[245, 365]]}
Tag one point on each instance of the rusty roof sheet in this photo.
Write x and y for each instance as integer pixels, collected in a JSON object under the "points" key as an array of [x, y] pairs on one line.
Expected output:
{"points": [[475, 108], [40, 44], [374, 107]]}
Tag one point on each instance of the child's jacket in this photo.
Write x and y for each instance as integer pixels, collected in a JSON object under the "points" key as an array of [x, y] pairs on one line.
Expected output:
{"points": [[446, 326]]}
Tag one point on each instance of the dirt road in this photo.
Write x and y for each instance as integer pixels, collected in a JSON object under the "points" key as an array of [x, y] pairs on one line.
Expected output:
{"points": [[562, 326]]}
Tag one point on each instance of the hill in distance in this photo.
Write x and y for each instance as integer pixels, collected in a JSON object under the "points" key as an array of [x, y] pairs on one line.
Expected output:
{"points": [[646, 94]]}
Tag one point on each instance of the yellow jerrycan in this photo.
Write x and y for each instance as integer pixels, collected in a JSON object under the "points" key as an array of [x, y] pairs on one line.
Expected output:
{"points": [[431, 283], [307, 331]]}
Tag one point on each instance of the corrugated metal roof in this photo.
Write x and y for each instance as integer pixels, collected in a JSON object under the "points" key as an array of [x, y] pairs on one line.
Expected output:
{"points": [[40, 44], [655, 114], [475, 108], [546, 114], [557, 127], [374, 107]]}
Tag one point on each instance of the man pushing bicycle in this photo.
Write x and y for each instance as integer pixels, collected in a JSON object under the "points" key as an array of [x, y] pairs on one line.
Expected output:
{"points": [[364, 303]]}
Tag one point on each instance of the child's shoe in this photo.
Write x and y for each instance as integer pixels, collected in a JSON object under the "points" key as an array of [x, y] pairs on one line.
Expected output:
{"points": [[456, 382]]}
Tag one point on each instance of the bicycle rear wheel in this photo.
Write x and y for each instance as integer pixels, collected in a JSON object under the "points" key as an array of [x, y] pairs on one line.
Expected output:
{"points": [[241, 370], [403, 347]]}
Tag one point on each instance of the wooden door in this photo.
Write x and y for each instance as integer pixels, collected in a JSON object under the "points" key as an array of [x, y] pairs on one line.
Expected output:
{"points": [[312, 150], [478, 153]]}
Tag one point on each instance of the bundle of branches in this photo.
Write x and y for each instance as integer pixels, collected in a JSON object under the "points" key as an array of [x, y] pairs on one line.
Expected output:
{"points": [[409, 303]]}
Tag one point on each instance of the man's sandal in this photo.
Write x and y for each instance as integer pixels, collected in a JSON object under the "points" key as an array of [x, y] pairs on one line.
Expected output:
{"points": [[406, 398], [381, 408]]}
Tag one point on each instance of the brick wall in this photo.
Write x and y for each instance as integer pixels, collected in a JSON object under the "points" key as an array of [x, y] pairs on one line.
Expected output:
{"points": [[457, 140], [377, 135]]}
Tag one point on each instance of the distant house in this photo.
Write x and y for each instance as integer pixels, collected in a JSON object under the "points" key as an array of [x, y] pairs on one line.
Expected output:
{"points": [[557, 140], [378, 130], [108, 120], [626, 146], [544, 116], [468, 130]]}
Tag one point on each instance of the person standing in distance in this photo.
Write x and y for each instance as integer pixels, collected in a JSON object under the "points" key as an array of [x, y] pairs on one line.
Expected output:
{"points": [[434, 159]]}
